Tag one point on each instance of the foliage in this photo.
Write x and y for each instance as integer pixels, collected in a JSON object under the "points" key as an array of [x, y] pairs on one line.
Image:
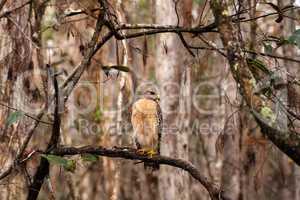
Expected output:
{"points": [[267, 113], [67, 164], [295, 38], [258, 64], [13, 117], [268, 48], [98, 114]]}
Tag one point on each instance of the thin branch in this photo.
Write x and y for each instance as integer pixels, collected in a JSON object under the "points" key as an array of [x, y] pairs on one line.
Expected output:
{"points": [[26, 114], [176, 11], [43, 169], [212, 45], [70, 14], [131, 154], [269, 14], [21, 31], [246, 51], [273, 56], [185, 44], [202, 12], [2, 3], [164, 29], [6, 13], [19, 154], [92, 45]]}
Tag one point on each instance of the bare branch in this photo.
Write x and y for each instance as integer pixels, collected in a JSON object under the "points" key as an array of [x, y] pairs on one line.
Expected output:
{"points": [[131, 154], [10, 168], [43, 169], [6, 13], [155, 29]]}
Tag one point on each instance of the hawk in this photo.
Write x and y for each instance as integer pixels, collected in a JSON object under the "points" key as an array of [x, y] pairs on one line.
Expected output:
{"points": [[146, 121]]}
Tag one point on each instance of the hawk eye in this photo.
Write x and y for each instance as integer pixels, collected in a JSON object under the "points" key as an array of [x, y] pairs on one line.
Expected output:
{"points": [[152, 93]]}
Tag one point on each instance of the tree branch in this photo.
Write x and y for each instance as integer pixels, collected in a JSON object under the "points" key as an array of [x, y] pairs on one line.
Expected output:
{"points": [[25, 114], [131, 154], [43, 169], [10, 168]]}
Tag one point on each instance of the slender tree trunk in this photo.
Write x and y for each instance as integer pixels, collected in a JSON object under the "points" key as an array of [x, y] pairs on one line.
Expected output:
{"points": [[231, 136], [171, 65]]}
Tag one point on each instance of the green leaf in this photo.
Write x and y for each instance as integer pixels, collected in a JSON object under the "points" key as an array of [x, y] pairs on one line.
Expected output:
{"points": [[13, 117], [283, 41], [267, 113], [89, 157], [259, 65], [295, 38], [70, 166], [268, 48], [98, 114], [55, 160]]}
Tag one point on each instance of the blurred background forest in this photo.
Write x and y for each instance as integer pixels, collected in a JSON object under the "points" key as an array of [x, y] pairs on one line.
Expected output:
{"points": [[104, 53]]}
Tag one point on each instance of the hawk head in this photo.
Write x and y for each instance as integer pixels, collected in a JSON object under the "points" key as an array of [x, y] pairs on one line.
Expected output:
{"points": [[151, 94]]}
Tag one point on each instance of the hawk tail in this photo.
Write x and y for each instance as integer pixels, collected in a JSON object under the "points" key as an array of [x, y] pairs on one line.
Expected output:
{"points": [[151, 166]]}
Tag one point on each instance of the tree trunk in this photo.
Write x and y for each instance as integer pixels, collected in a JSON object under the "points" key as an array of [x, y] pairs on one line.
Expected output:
{"points": [[171, 65]]}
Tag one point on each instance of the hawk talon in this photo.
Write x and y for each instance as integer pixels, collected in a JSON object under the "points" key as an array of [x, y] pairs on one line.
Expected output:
{"points": [[142, 151], [151, 153], [147, 152]]}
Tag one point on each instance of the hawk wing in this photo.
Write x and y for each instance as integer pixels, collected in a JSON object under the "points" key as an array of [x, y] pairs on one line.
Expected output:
{"points": [[146, 120]]}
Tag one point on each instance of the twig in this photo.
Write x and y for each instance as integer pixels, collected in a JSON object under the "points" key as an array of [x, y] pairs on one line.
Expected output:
{"points": [[21, 31], [203, 9], [185, 44], [165, 29], [93, 46], [269, 14], [176, 11], [26, 114], [70, 14], [2, 3], [6, 13], [273, 56], [10, 168]]}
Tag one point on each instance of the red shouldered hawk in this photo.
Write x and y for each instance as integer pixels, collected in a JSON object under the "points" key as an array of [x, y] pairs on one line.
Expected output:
{"points": [[146, 120]]}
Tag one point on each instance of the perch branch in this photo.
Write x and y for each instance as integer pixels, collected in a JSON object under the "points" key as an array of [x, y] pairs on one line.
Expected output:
{"points": [[131, 154]]}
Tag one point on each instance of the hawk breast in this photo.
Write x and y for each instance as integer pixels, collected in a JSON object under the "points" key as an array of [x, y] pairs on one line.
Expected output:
{"points": [[146, 122]]}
